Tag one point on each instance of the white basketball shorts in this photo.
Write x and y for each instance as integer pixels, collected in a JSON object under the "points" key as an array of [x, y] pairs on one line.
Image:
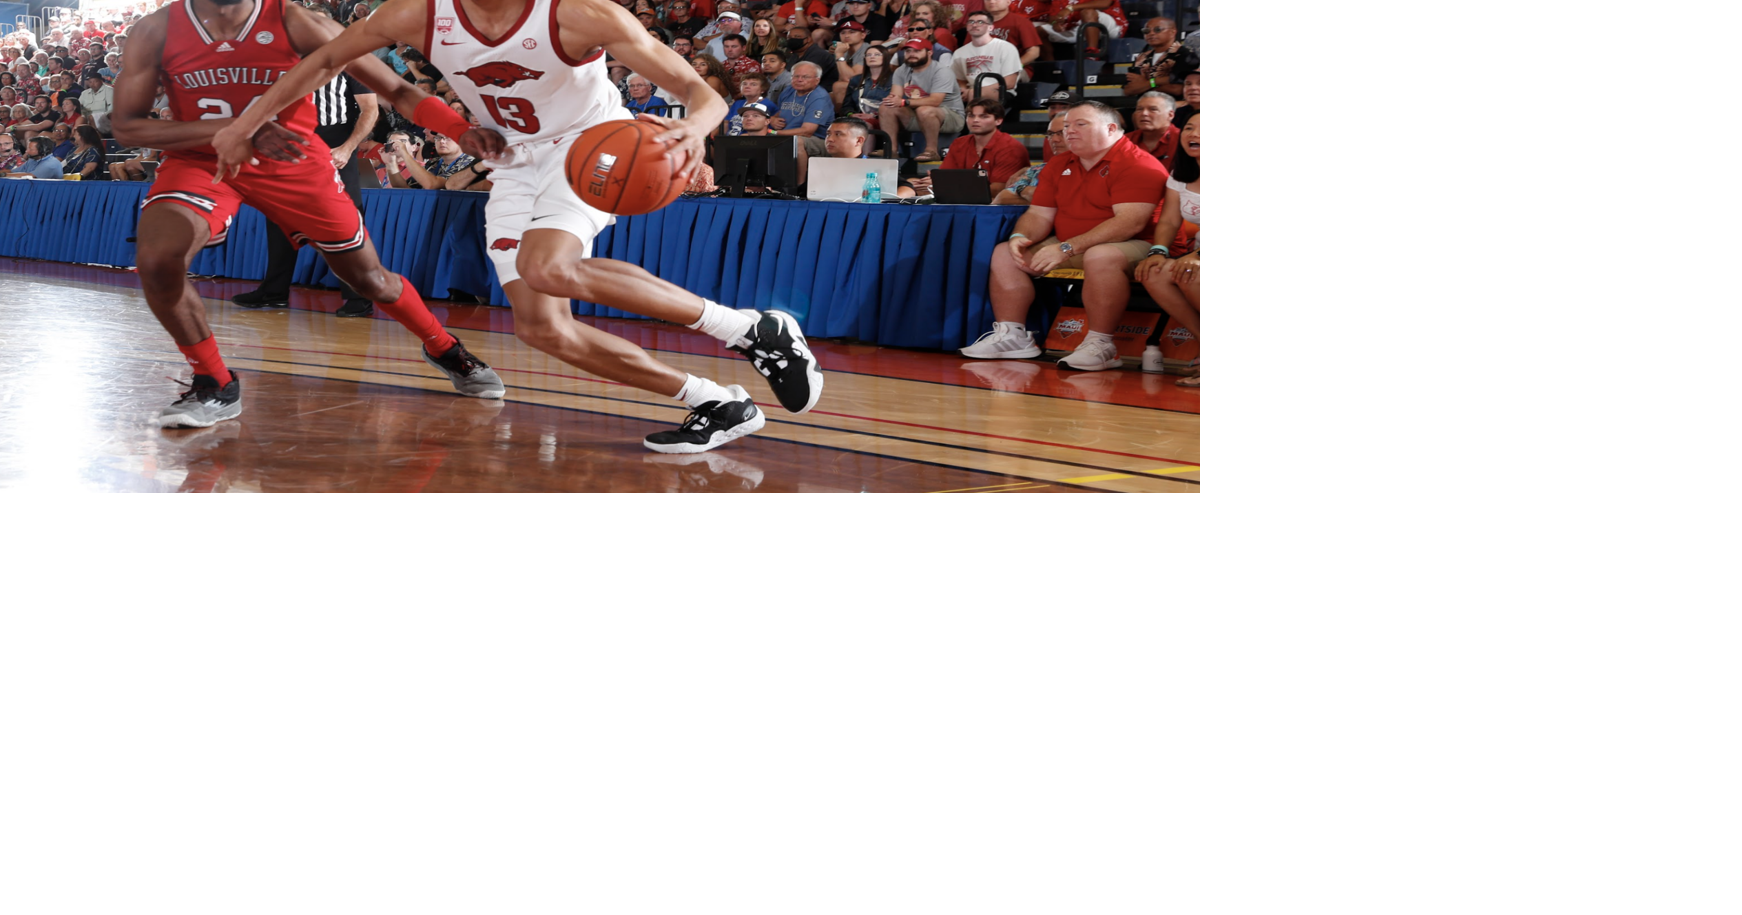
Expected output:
{"points": [[532, 192]]}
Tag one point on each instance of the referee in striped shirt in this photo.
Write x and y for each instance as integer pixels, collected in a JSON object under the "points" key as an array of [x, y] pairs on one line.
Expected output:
{"points": [[347, 111]]}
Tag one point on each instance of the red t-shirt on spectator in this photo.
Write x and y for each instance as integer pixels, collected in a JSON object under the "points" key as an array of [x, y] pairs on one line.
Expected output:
{"points": [[1031, 9], [1084, 198], [742, 65], [1164, 152], [815, 9], [1018, 30], [1004, 156]]}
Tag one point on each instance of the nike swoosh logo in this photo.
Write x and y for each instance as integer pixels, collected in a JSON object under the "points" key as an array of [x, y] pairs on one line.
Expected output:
{"points": [[537, 218]]}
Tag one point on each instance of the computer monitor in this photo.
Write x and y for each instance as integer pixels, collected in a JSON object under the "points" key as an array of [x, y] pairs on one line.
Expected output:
{"points": [[770, 162]]}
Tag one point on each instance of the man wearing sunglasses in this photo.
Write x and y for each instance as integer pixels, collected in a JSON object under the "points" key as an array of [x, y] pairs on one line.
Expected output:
{"points": [[1163, 64]]}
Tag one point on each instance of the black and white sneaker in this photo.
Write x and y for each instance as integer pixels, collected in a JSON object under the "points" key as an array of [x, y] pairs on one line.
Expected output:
{"points": [[204, 403], [710, 425], [778, 350], [469, 374]]}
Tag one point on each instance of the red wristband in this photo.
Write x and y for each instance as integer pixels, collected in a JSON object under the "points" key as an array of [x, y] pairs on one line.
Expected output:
{"points": [[435, 114]]}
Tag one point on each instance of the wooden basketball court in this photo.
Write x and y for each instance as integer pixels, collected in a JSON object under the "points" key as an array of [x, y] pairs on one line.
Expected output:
{"points": [[346, 405]]}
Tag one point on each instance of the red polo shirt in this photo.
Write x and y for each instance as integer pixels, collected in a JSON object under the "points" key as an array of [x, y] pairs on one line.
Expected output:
{"points": [[1163, 152], [1003, 156], [1084, 198]]}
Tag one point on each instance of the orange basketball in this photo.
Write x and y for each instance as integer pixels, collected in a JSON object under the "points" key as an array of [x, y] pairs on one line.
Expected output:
{"points": [[620, 168]]}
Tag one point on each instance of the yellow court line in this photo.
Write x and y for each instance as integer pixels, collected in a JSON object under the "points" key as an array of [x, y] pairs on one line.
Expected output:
{"points": [[1104, 477], [988, 488]]}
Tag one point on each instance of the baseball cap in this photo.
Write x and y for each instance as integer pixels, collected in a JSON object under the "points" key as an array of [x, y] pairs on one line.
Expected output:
{"points": [[730, 15], [1061, 97], [758, 106], [916, 43], [851, 26]]}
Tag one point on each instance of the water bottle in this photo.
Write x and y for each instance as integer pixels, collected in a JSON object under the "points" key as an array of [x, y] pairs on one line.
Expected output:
{"points": [[873, 190]]}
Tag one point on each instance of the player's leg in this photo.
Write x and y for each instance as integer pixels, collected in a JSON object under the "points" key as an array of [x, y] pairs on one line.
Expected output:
{"points": [[170, 234], [308, 200], [544, 322], [360, 268], [554, 259]]}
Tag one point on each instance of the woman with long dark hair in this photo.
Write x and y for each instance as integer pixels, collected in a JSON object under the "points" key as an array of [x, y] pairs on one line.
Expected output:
{"points": [[1173, 282], [72, 112], [867, 90], [712, 72], [763, 40], [86, 159]]}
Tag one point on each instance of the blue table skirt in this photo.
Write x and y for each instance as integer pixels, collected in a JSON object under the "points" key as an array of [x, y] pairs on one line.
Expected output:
{"points": [[895, 275]]}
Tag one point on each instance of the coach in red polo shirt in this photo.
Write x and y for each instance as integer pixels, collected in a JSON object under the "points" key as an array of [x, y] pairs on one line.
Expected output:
{"points": [[1094, 209]]}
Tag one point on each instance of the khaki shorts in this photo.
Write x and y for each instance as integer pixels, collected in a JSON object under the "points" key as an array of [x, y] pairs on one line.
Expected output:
{"points": [[953, 121], [813, 146], [1135, 250]]}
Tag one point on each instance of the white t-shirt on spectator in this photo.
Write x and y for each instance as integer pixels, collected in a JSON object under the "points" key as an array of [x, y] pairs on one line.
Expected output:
{"points": [[998, 57]]}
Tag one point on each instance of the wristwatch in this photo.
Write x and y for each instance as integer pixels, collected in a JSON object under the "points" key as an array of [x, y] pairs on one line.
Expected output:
{"points": [[1066, 249]]}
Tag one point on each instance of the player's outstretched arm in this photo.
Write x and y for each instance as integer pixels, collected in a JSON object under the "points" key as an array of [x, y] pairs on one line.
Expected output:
{"points": [[610, 25], [309, 33], [397, 20]]}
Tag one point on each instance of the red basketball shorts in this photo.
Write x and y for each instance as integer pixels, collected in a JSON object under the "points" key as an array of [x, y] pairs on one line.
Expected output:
{"points": [[306, 199]]}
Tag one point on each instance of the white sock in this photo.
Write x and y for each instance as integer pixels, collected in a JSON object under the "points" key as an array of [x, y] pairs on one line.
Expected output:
{"points": [[698, 391], [1094, 335], [727, 325], [1015, 327]]}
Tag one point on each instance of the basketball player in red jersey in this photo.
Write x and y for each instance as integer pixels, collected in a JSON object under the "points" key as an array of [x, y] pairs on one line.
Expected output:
{"points": [[536, 70], [215, 58]]}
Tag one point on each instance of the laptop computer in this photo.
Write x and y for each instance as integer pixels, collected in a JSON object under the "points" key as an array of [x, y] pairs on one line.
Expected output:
{"points": [[960, 185], [844, 179]]}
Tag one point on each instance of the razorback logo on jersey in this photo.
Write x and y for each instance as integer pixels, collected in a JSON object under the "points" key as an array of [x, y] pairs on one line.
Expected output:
{"points": [[499, 73], [505, 244]]}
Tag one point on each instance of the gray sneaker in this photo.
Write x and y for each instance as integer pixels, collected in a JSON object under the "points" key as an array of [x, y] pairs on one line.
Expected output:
{"points": [[204, 404], [469, 374]]}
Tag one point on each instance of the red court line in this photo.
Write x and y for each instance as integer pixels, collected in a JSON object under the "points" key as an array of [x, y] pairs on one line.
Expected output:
{"points": [[869, 419]]}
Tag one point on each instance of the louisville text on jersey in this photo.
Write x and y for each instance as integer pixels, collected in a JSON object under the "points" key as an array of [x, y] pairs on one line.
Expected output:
{"points": [[227, 76]]}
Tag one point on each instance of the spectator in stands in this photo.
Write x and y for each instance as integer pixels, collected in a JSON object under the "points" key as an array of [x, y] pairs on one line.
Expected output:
{"points": [[1093, 210], [805, 110], [998, 154], [20, 115], [8, 96], [98, 100], [986, 54], [10, 157], [849, 54], [876, 25], [924, 97], [1184, 113], [846, 139], [72, 113], [1020, 190], [133, 169], [449, 169], [864, 94], [1163, 64], [801, 46], [1173, 283], [650, 21], [461, 110], [40, 59], [62, 137], [814, 11], [750, 89], [1155, 133], [60, 89], [923, 31], [922, 23], [1068, 16], [683, 47], [41, 162], [779, 77], [736, 63], [716, 28], [1015, 28], [680, 23], [708, 67], [86, 158], [764, 39], [755, 118], [728, 23], [641, 97], [111, 67]]}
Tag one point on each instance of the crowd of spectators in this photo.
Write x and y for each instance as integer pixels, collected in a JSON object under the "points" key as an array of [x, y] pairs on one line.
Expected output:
{"points": [[1114, 195]]}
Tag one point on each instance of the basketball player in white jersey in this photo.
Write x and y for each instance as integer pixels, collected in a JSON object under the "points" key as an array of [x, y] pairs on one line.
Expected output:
{"points": [[535, 71]]}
